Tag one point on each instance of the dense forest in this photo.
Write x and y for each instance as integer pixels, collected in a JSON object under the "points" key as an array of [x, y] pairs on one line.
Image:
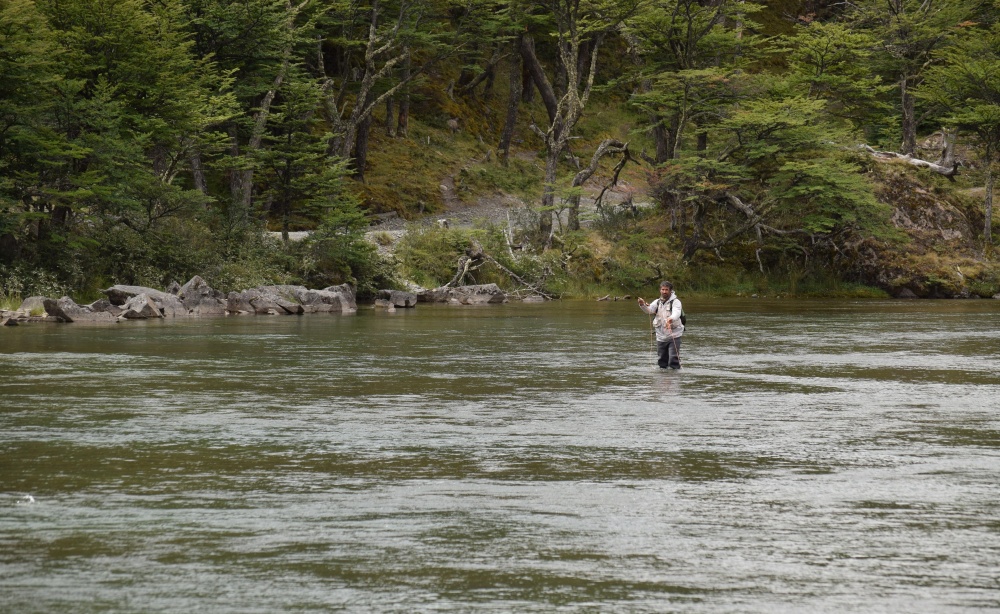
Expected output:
{"points": [[796, 147]]}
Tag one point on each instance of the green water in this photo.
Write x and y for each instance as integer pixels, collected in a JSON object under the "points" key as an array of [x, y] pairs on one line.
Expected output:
{"points": [[809, 457]]}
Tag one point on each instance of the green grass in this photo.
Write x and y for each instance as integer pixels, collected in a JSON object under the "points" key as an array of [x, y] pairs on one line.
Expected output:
{"points": [[10, 303], [521, 177]]}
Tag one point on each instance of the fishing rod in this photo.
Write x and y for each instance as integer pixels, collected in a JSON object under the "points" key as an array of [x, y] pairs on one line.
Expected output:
{"points": [[652, 342]]}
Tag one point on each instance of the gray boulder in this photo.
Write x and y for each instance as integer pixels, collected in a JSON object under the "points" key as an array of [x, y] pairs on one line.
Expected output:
{"points": [[482, 294], [299, 299], [284, 297], [333, 299], [105, 305], [140, 307], [120, 294], [259, 303], [167, 304], [33, 304], [262, 301], [65, 309], [348, 300], [320, 301], [201, 299], [237, 303], [398, 298], [288, 299]]}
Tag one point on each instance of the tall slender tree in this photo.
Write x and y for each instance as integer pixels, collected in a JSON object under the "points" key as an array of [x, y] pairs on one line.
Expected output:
{"points": [[256, 42], [133, 100], [966, 82], [30, 83], [910, 34], [579, 28], [297, 178], [687, 50]]}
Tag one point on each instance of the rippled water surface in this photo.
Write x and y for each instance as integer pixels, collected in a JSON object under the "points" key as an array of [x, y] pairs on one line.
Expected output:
{"points": [[809, 457]]}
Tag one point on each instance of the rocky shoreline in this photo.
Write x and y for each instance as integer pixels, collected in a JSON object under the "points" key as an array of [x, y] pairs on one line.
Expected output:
{"points": [[197, 298]]}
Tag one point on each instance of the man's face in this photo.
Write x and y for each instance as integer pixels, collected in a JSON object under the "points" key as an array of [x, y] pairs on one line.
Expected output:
{"points": [[664, 292]]}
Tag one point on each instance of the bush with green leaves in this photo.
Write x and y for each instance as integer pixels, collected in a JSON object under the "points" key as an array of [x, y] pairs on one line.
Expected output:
{"points": [[338, 253], [21, 280], [429, 255]]}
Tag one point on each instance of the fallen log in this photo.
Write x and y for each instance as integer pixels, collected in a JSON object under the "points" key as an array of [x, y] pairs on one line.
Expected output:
{"points": [[947, 171]]}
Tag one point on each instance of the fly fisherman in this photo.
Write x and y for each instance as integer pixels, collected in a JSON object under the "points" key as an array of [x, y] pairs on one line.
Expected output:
{"points": [[666, 312]]}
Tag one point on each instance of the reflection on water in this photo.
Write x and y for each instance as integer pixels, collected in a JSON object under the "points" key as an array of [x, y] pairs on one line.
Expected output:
{"points": [[809, 457]]}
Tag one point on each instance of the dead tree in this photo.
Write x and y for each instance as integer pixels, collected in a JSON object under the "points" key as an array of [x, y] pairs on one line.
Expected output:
{"points": [[947, 171]]}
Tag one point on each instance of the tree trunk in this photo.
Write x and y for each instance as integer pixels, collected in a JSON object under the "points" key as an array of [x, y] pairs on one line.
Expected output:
{"points": [[390, 131], [538, 77], [909, 123], [582, 62], [948, 151], [491, 73], [527, 85], [676, 132], [661, 138], [988, 230], [465, 77], [239, 179], [947, 171], [549, 193], [513, 101], [403, 122], [361, 144], [198, 173], [285, 216], [608, 146]]}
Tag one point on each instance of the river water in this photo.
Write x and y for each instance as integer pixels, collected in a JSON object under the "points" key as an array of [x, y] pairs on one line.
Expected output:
{"points": [[809, 457]]}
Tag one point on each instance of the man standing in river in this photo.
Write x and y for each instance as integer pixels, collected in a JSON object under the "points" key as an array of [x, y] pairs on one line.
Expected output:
{"points": [[666, 312]]}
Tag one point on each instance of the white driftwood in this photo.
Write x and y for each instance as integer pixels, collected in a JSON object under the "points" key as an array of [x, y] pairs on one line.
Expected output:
{"points": [[947, 171]]}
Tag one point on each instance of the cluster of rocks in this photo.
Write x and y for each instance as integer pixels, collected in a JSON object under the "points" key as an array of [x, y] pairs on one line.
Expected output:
{"points": [[481, 294], [195, 298]]}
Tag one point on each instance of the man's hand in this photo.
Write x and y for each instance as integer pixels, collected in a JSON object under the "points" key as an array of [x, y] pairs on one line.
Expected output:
{"points": [[642, 302]]}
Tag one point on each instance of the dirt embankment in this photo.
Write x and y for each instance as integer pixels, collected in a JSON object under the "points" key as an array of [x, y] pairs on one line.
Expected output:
{"points": [[940, 251]]}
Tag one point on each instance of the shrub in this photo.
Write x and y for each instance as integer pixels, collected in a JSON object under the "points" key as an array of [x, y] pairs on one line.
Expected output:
{"points": [[429, 255], [22, 280]]}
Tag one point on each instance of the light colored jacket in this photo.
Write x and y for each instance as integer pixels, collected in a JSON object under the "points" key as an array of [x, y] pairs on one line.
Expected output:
{"points": [[666, 312]]}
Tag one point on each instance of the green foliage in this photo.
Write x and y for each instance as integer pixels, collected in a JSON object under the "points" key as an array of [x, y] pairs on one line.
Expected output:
{"points": [[21, 280], [617, 221], [910, 35], [967, 85], [827, 195], [778, 162], [520, 178], [429, 255], [833, 62], [257, 259], [145, 142], [337, 253], [301, 182]]}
